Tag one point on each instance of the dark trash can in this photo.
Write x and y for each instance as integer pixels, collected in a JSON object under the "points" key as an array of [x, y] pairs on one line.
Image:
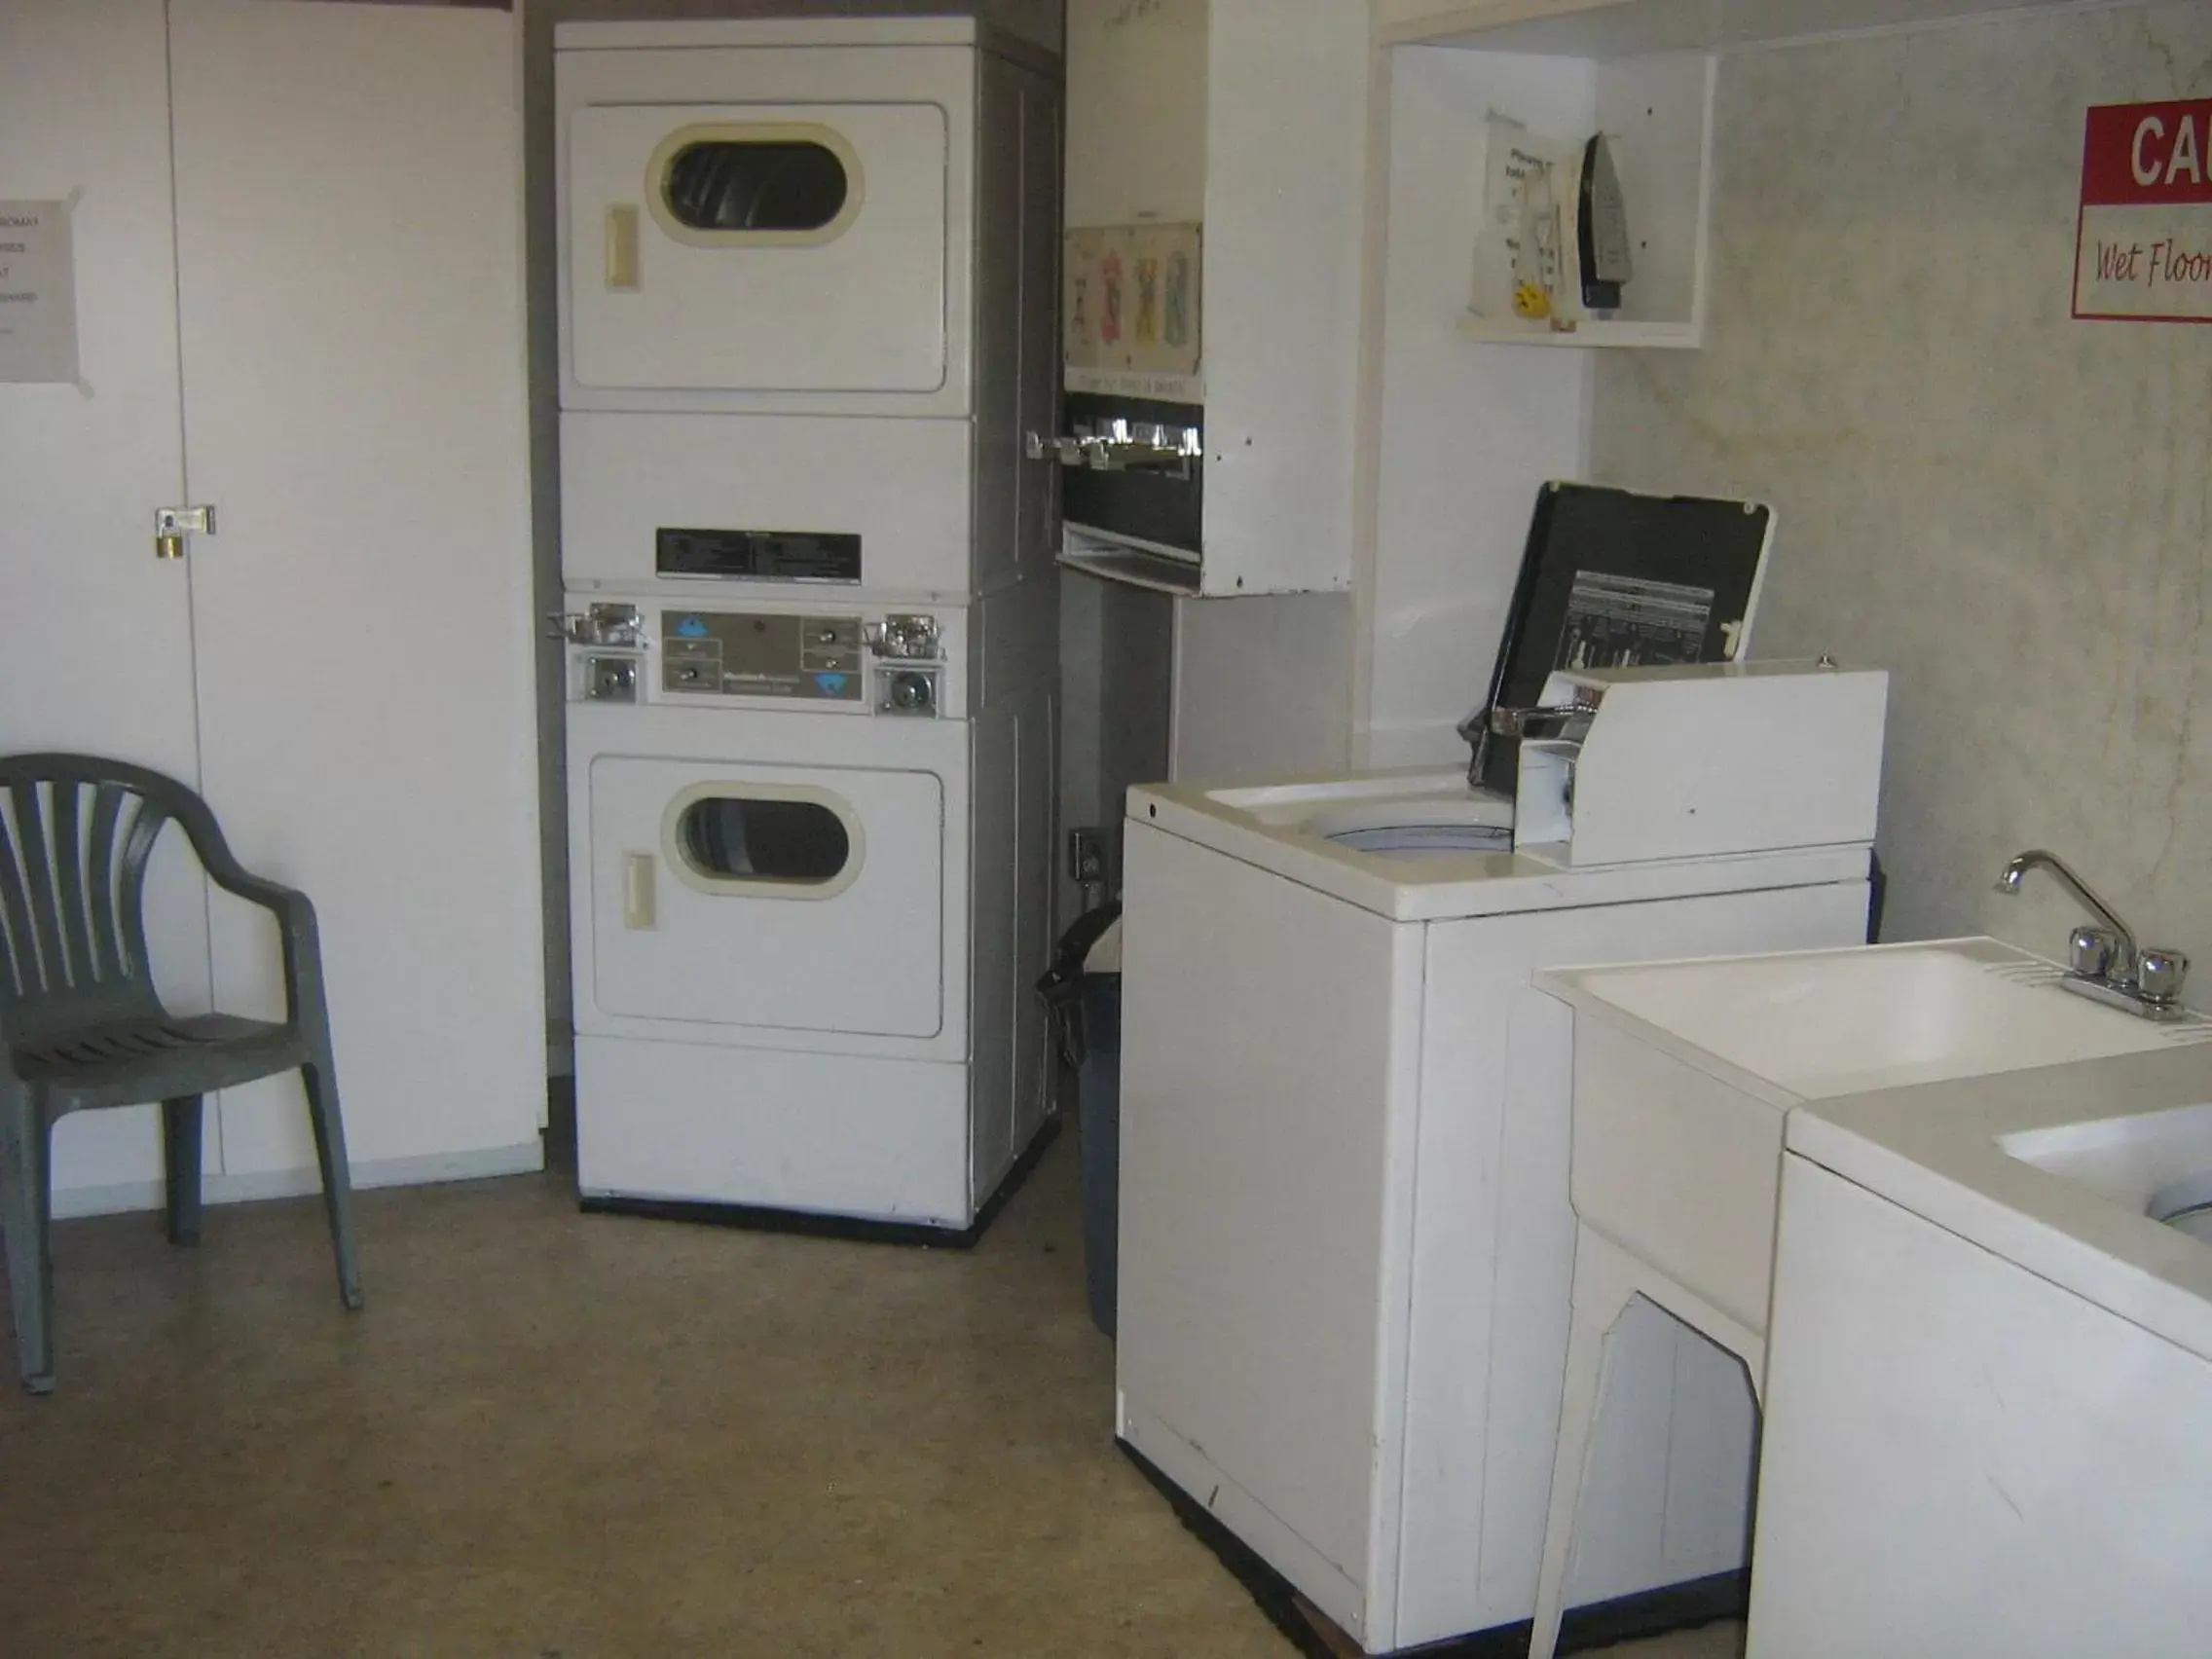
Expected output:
{"points": [[1086, 1005], [1098, 1129]]}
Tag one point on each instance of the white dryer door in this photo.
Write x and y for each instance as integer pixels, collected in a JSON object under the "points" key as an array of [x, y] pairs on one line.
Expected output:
{"points": [[789, 897], [758, 247]]}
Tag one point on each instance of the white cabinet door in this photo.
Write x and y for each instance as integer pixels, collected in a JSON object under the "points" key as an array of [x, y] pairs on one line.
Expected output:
{"points": [[349, 186], [98, 651]]}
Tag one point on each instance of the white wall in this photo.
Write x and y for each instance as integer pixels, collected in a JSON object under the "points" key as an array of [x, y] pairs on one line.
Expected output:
{"points": [[1261, 685], [1468, 433], [2010, 509]]}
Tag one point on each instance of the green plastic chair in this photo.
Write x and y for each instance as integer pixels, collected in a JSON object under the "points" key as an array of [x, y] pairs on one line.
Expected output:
{"points": [[82, 1028]]}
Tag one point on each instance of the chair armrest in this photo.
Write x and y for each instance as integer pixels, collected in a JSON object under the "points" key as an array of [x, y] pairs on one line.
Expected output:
{"points": [[289, 903], [294, 909]]}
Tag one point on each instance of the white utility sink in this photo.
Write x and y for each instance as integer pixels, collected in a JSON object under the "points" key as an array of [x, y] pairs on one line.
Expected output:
{"points": [[1683, 1072], [1843, 1022]]}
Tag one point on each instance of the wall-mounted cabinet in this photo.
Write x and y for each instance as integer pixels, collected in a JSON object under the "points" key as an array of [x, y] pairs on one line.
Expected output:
{"points": [[1212, 286], [1656, 116], [1460, 422]]}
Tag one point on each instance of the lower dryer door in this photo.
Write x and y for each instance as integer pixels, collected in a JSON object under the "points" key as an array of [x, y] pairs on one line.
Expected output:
{"points": [[794, 897]]}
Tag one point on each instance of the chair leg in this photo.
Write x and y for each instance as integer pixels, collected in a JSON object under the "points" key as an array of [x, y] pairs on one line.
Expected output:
{"points": [[26, 1212], [320, 1078], [180, 1166]]}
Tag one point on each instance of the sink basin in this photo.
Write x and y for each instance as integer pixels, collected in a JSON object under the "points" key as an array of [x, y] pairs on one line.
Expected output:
{"points": [[1824, 1024], [1683, 1072], [2155, 1163]]}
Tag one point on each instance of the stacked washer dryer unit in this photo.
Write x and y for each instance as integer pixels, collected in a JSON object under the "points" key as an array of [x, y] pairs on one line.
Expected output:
{"points": [[808, 301]]}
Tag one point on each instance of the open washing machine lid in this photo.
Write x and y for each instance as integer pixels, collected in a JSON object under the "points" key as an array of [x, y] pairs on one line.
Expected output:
{"points": [[1615, 578]]}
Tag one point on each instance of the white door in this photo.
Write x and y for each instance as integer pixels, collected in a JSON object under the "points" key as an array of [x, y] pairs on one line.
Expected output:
{"points": [[343, 671], [758, 246], [348, 184], [98, 651], [794, 897]]}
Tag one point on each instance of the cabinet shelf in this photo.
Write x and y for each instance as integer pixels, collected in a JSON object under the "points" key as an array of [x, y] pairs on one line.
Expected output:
{"points": [[1647, 336], [1132, 566]]}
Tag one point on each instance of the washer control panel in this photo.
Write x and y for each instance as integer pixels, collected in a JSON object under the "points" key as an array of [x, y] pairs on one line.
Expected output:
{"points": [[754, 653], [793, 656]]}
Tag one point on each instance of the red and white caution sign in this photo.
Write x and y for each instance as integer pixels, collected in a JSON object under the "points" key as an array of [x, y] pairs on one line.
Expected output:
{"points": [[2143, 249]]}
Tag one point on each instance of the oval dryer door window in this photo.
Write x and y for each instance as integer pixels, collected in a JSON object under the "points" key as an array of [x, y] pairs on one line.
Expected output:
{"points": [[716, 185], [731, 183], [785, 843]]}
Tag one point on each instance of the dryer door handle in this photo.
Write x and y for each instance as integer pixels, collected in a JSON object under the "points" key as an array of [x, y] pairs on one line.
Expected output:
{"points": [[623, 276], [638, 882]]}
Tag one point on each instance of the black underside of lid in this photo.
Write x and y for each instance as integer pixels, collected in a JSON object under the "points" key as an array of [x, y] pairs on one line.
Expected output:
{"points": [[1617, 579]]}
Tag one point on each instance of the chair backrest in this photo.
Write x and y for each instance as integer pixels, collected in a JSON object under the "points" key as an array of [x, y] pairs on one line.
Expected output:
{"points": [[76, 832]]}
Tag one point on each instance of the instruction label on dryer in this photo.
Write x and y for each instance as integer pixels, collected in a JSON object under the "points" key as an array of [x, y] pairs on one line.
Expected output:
{"points": [[38, 294], [762, 654]]}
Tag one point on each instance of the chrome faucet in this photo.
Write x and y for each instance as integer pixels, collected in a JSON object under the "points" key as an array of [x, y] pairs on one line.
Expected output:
{"points": [[2104, 963]]}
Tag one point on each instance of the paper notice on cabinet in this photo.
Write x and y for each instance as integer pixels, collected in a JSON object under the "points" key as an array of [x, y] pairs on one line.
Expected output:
{"points": [[38, 294], [1130, 300], [1522, 271]]}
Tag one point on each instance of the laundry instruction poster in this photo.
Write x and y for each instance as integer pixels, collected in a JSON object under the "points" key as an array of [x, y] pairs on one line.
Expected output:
{"points": [[2142, 248], [38, 293]]}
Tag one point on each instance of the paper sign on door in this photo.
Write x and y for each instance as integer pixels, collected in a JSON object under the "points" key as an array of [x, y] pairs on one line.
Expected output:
{"points": [[2143, 248], [38, 294]]}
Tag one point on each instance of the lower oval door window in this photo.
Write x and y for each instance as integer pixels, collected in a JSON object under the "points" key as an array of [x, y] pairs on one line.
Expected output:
{"points": [[795, 843]]}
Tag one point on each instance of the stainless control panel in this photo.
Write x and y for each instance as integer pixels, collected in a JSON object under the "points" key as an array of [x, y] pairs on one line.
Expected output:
{"points": [[901, 664]]}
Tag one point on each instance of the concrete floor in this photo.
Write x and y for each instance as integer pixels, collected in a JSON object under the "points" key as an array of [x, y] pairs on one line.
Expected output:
{"points": [[557, 1436]]}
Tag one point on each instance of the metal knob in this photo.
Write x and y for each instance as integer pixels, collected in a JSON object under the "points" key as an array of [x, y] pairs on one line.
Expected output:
{"points": [[2159, 975], [2089, 951], [913, 692]]}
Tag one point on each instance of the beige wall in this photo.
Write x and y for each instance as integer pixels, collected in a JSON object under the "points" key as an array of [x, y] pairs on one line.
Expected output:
{"points": [[2010, 509]]}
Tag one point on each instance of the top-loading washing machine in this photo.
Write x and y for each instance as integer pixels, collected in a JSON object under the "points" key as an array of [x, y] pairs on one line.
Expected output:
{"points": [[1346, 1238], [808, 299]]}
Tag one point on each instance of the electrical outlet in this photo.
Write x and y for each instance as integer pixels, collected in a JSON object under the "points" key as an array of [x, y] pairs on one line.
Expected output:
{"points": [[1086, 856]]}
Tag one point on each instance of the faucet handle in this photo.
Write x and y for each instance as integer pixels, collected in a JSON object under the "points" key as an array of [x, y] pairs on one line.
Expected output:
{"points": [[2159, 975], [2089, 951]]}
